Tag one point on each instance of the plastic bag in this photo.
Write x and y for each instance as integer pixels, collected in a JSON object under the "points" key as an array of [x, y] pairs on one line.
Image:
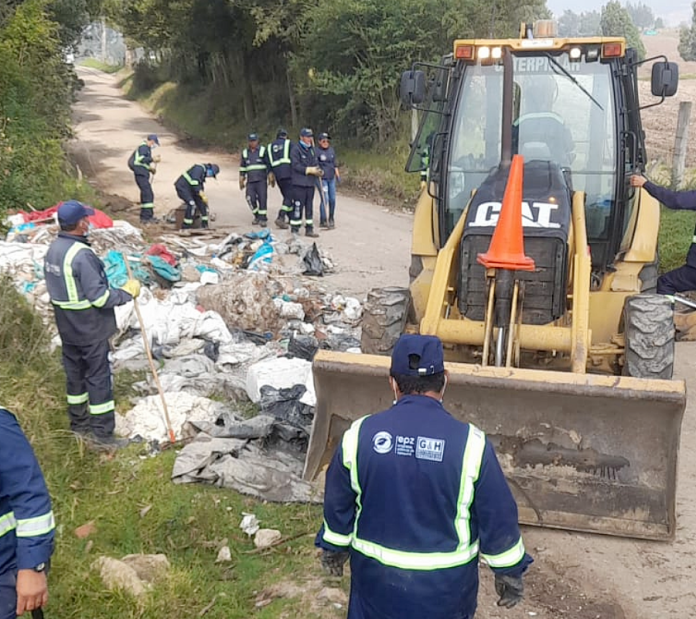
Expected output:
{"points": [[164, 269], [285, 405], [313, 263], [303, 347], [263, 256]]}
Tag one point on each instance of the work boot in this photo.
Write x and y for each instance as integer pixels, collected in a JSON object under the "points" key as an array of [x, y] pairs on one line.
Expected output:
{"points": [[107, 443], [310, 232], [263, 223], [295, 231], [332, 225], [324, 225], [281, 223], [256, 221]]}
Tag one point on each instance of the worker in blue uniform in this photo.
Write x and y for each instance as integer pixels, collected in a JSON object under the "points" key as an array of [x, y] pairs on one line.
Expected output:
{"points": [[305, 171], [414, 498], [683, 278], [26, 524], [190, 187], [143, 164], [331, 175], [253, 174], [281, 170], [83, 305]]}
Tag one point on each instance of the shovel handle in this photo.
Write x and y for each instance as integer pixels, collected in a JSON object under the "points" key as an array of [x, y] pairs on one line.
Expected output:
{"points": [[146, 343], [37, 613]]}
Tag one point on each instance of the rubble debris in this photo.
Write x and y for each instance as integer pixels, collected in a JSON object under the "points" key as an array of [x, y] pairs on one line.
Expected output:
{"points": [[313, 263], [149, 568], [133, 574], [85, 530], [224, 555], [265, 538], [286, 405]]}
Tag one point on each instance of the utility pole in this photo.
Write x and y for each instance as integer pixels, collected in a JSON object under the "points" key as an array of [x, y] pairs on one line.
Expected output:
{"points": [[103, 39], [681, 140]]}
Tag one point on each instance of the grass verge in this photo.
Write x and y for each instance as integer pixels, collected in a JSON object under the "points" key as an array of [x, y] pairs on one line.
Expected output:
{"points": [[187, 523], [93, 63]]}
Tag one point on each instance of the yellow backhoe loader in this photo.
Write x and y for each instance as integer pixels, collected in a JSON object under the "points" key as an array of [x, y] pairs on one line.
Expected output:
{"points": [[567, 366]]}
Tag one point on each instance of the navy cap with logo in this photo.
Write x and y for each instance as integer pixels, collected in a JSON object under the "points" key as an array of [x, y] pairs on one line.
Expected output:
{"points": [[253, 137], [324, 136], [306, 132], [153, 138], [425, 351], [72, 211], [282, 133]]}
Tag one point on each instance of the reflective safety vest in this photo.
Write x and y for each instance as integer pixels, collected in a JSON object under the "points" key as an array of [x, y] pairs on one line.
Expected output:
{"points": [[194, 182], [138, 158], [280, 159], [254, 164], [74, 301], [26, 520]]}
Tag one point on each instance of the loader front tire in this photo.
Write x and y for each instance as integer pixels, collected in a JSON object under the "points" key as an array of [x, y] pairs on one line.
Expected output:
{"points": [[649, 336], [384, 319]]}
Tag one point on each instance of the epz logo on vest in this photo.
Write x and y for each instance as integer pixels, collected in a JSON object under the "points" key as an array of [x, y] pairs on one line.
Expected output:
{"points": [[538, 215], [424, 448]]}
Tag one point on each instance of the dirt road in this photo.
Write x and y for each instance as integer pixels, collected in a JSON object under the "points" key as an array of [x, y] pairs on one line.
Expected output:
{"points": [[578, 576], [369, 244]]}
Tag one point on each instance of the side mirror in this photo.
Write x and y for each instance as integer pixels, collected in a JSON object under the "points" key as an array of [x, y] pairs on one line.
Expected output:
{"points": [[440, 87], [664, 79], [412, 88]]}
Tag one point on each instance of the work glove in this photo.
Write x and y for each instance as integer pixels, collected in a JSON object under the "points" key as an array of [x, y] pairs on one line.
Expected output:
{"points": [[510, 590], [314, 171], [157, 158], [271, 179], [203, 197], [242, 182], [132, 287], [332, 561]]}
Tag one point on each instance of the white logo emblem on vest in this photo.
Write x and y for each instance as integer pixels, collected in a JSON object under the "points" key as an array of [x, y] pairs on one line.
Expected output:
{"points": [[382, 442]]}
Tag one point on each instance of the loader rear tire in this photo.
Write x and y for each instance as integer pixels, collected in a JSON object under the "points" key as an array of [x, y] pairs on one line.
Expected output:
{"points": [[384, 319], [649, 336]]}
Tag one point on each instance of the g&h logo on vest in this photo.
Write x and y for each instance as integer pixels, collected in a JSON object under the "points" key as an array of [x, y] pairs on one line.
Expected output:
{"points": [[382, 442]]}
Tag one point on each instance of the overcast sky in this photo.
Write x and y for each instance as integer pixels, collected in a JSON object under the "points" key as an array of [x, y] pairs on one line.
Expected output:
{"points": [[672, 11]]}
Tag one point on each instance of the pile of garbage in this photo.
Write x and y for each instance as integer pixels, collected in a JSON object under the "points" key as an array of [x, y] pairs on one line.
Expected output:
{"points": [[233, 324]]}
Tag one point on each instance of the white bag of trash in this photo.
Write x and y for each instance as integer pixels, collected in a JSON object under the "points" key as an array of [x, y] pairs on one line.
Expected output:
{"points": [[281, 373]]}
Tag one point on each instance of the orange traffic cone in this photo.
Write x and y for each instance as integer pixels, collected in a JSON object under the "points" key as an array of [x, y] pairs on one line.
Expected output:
{"points": [[506, 250]]}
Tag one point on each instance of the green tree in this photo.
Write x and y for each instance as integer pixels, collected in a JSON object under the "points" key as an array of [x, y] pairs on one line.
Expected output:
{"points": [[687, 38], [641, 14], [616, 22]]}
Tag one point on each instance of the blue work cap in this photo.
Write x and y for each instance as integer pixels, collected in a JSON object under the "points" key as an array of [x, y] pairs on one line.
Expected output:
{"points": [[153, 138], [72, 211], [324, 136], [427, 354], [282, 133], [306, 132], [253, 137]]}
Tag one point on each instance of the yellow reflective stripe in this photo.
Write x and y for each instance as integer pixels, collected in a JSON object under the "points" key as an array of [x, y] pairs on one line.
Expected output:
{"points": [[255, 166], [693, 239], [68, 277], [101, 301], [416, 560], [33, 527], [7, 523], [350, 461], [471, 466], [187, 176], [78, 399], [284, 159], [147, 205], [138, 160], [100, 409], [508, 558], [69, 305], [335, 538]]}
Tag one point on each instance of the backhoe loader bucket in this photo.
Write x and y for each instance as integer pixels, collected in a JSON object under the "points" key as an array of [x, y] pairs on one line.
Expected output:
{"points": [[581, 452]]}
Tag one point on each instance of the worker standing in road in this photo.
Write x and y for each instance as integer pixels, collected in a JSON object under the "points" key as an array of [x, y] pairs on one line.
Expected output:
{"points": [[281, 169], [26, 524], [414, 498], [83, 305], [327, 162], [682, 278], [253, 173], [190, 187], [144, 163], [305, 171]]}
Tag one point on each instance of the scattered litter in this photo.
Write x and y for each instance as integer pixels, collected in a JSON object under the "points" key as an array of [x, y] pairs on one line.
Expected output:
{"points": [[133, 574], [85, 530], [249, 524], [265, 538], [286, 405], [224, 556], [313, 263]]}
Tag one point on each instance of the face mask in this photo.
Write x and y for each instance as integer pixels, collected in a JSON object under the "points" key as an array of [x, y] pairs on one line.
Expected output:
{"points": [[444, 388]]}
